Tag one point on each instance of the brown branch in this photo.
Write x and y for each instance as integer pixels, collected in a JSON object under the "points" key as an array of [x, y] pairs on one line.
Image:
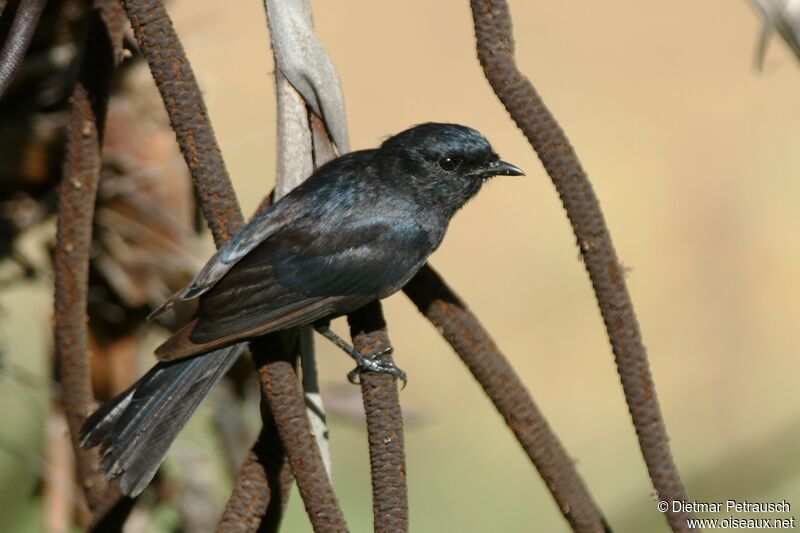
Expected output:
{"points": [[77, 195], [266, 472], [470, 340], [495, 46], [189, 118], [188, 115], [280, 386], [262, 486], [384, 424]]}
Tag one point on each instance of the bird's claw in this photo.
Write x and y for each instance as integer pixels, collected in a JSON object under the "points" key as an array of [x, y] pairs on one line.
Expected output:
{"points": [[374, 363]]}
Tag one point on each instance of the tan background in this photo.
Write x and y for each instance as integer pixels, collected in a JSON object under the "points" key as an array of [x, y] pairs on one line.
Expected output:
{"points": [[694, 157]]}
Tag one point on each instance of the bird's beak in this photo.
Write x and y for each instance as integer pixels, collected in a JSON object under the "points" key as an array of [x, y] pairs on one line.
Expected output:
{"points": [[503, 168]]}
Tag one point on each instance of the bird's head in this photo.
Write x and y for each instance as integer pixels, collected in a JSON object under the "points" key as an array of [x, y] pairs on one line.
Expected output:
{"points": [[447, 163]]}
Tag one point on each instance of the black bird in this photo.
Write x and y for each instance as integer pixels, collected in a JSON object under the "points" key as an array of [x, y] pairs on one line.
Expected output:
{"points": [[356, 230]]}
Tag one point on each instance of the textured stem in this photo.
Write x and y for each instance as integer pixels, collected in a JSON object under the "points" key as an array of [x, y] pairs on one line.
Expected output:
{"points": [[77, 196], [495, 46], [384, 424], [188, 115], [261, 491], [262, 486], [281, 386]]}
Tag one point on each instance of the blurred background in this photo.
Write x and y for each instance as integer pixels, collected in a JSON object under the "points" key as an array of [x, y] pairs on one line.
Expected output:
{"points": [[693, 154]]}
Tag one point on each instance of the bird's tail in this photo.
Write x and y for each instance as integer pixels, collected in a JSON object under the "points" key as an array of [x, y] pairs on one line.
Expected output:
{"points": [[137, 427]]}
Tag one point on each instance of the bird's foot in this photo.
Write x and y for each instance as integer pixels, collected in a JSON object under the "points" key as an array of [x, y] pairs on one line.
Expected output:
{"points": [[368, 363], [374, 363]]}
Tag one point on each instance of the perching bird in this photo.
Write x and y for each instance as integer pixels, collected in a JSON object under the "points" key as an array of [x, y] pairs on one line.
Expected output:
{"points": [[356, 230]]}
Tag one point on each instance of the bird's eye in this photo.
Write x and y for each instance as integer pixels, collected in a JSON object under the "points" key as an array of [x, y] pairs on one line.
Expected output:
{"points": [[449, 164]]}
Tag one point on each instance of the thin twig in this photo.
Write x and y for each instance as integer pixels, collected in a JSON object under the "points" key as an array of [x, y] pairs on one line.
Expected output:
{"points": [[495, 47], [76, 204], [473, 344], [384, 424], [189, 118], [18, 39]]}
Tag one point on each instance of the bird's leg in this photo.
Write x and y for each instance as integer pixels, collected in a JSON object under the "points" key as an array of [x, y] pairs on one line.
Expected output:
{"points": [[370, 363]]}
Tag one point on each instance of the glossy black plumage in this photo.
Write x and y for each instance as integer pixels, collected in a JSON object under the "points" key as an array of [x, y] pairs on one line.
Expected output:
{"points": [[137, 427], [346, 246], [357, 230]]}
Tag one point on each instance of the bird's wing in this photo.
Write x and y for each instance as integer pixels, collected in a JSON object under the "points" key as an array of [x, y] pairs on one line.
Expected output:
{"points": [[315, 198], [299, 275], [255, 232]]}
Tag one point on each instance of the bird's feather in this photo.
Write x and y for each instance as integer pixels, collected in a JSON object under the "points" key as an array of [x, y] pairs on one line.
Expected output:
{"points": [[137, 427], [355, 231], [310, 200], [298, 276]]}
